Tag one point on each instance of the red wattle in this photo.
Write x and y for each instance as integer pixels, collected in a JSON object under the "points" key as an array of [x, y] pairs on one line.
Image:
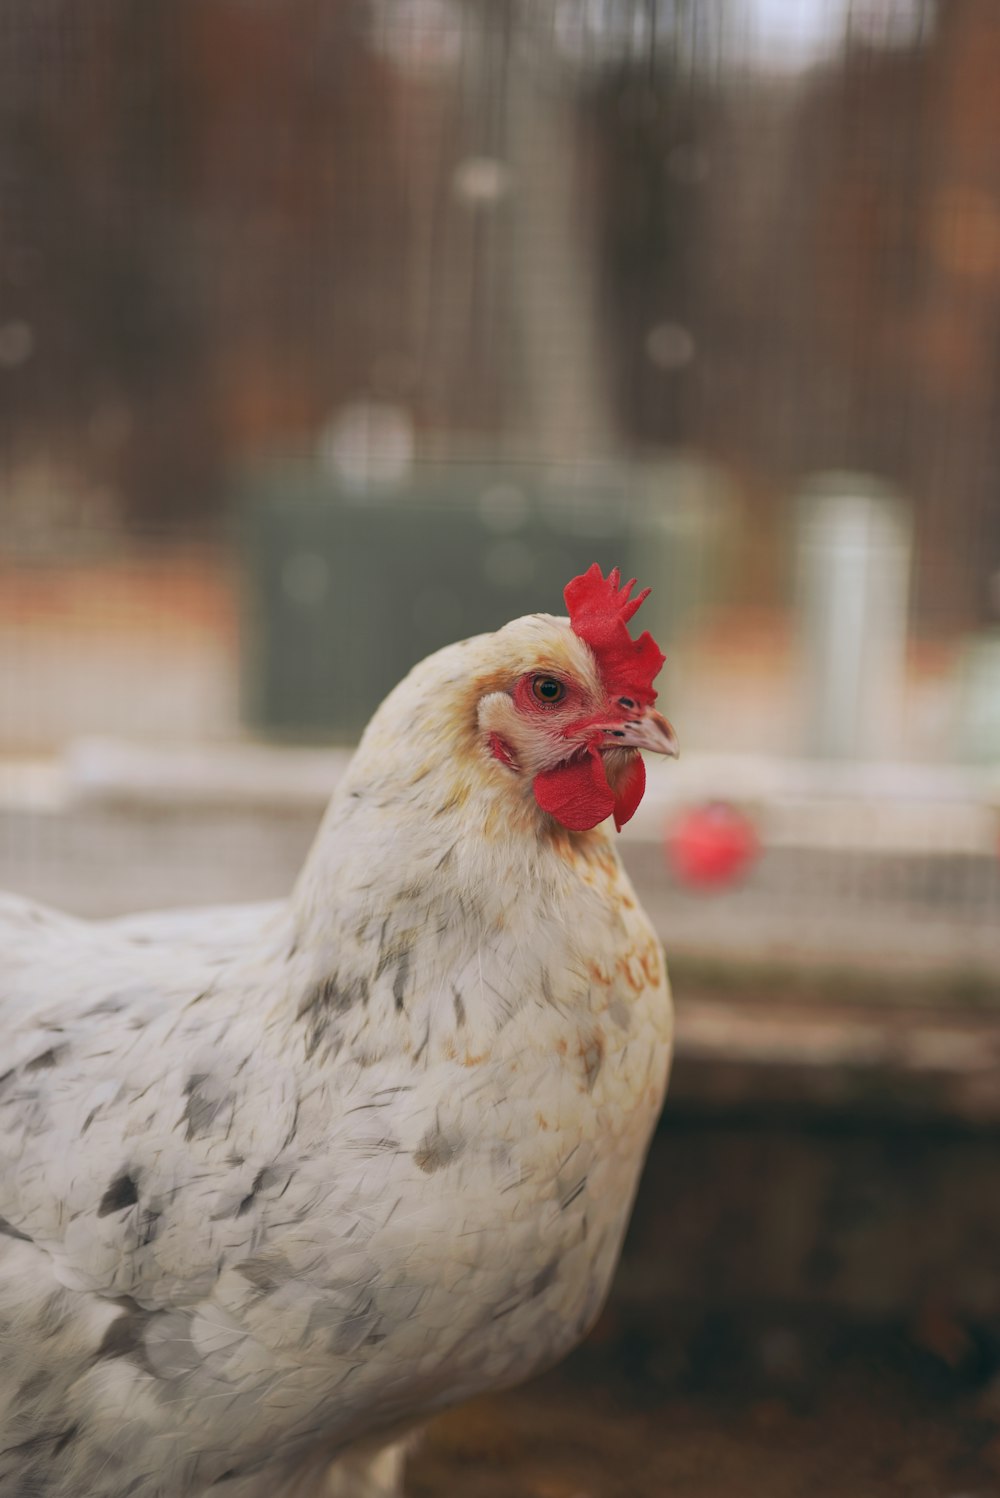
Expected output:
{"points": [[576, 794], [630, 792]]}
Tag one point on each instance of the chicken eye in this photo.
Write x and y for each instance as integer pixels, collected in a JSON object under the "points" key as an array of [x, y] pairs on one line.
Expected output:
{"points": [[548, 690]]}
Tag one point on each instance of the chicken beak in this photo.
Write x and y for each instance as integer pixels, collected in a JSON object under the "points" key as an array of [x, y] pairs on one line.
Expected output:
{"points": [[650, 731]]}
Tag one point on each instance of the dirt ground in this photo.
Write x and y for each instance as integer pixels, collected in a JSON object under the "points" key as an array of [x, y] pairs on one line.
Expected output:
{"points": [[882, 1421]]}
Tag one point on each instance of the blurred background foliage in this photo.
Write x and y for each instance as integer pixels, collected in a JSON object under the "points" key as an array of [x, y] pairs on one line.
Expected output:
{"points": [[575, 228]]}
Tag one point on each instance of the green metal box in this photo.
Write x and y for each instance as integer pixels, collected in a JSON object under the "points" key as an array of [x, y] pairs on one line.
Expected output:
{"points": [[344, 592]]}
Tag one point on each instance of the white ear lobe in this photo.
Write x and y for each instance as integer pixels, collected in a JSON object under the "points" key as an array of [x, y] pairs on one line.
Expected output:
{"points": [[535, 746], [499, 719], [497, 714]]}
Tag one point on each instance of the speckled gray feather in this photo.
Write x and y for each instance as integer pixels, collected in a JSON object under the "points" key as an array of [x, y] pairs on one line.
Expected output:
{"points": [[278, 1182]]}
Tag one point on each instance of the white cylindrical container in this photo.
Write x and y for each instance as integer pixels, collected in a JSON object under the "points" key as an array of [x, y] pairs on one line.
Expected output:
{"points": [[854, 547]]}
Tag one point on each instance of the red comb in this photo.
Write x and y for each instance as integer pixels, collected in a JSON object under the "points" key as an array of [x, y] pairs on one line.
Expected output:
{"points": [[599, 611]]}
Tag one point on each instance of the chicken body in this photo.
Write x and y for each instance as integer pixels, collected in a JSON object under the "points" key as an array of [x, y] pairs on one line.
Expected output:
{"points": [[277, 1183]]}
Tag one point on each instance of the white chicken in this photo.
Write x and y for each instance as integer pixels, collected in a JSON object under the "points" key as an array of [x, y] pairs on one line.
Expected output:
{"points": [[277, 1184]]}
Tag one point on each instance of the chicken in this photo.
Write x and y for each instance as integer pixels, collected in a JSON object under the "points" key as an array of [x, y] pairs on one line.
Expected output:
{"points": [[278, 1183]]}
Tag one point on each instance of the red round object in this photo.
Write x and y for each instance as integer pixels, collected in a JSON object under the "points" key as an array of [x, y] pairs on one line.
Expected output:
{"points": [[712, 845]]}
